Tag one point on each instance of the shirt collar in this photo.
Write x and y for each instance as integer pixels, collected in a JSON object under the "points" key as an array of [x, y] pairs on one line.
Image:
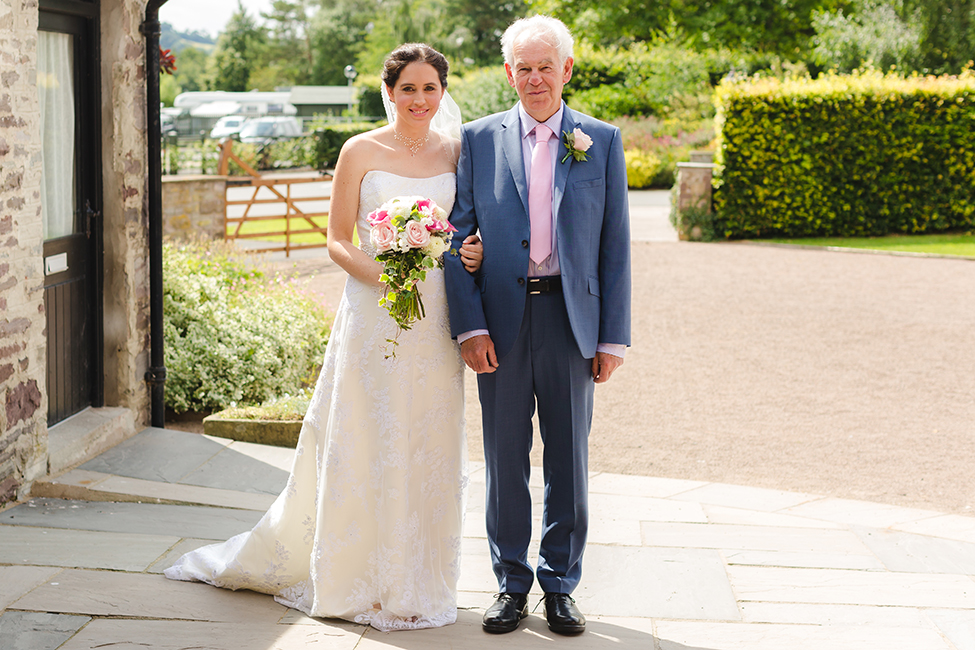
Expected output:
{"points": [[528, 122]]}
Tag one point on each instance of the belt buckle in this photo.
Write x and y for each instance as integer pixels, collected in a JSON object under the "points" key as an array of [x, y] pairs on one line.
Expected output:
{"points": [[537, 282]]}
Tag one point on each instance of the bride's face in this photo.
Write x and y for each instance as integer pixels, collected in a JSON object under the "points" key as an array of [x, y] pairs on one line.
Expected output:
{"points": [[417, 94]]}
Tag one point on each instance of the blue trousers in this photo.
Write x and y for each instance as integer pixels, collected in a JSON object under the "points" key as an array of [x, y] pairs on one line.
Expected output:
{"points": [[545, 367]]}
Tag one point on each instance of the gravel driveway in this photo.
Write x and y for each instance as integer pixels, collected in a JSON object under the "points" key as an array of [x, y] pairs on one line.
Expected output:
{"points": [[840, 374]]}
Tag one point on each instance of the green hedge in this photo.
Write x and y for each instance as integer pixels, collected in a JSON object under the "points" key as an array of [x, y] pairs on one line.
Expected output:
{"points": [[328, 141], [846, 155]]}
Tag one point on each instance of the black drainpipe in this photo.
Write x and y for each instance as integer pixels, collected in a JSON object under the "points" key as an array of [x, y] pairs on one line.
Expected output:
{"points": [[156, 375]]}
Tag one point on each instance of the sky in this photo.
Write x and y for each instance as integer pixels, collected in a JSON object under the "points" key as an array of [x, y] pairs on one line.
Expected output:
{"points": [[206, 15]]}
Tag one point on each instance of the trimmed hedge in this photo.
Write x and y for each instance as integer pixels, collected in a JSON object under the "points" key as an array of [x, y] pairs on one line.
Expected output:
{"points": [[843, 156], [328, 141]]}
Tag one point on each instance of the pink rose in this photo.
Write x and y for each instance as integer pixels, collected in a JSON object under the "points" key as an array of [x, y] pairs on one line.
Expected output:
{"points": [[377, 217], [382, 236], [417, 235], [582, 141]]}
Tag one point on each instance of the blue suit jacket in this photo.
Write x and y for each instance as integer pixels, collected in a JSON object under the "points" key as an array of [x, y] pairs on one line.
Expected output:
{"points": [[592, 231]]}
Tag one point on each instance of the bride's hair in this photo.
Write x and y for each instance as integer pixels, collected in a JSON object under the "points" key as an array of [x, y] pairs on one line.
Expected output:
{"points": [[409, 53]]}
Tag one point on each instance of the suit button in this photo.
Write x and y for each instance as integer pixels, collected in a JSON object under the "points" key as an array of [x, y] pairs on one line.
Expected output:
{"points": [[524, 243], [521, 281]]}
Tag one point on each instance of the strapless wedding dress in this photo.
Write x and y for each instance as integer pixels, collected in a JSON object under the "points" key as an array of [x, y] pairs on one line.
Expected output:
{"points": [[368, 528]]}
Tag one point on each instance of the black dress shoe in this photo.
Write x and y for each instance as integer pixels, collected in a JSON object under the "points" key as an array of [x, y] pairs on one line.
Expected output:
{"points": [[562, 614], [506, 613]]}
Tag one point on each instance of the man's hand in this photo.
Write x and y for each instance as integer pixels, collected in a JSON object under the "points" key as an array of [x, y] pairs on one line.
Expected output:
{"points": [[472, 253], [603, 366], [478, 354]]}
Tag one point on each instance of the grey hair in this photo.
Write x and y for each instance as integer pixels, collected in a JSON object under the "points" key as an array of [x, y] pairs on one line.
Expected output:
{"points": [[551, 31]]}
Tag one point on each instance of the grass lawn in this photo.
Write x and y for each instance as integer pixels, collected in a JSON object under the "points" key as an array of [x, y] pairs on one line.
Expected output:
{"points": [[278, 225], [960, 245]]}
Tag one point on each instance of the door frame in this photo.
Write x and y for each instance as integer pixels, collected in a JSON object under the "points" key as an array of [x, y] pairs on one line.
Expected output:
{"points": [[82, 19]]}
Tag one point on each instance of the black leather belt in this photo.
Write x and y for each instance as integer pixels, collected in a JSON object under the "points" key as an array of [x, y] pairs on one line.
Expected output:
{"points": [[546, 284]]}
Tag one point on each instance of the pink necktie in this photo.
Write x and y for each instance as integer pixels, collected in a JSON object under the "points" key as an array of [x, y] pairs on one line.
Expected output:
{"points": [[540, 196]]}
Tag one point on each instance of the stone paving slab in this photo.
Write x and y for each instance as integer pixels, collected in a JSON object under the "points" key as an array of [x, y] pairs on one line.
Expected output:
{"points": [[684, 635], [158, 455], [727, 515], [97, 486], [752, 538], [806, 614], [15, 581], [833, 586], [37, 630], [148, 518], [633, 581], [760, 499], [184, 635], [184, 546], [145, 595], [860, 513], [957, 625], [232, 470], [948, 526], [804, 560], [29, 545], [910, 553]]}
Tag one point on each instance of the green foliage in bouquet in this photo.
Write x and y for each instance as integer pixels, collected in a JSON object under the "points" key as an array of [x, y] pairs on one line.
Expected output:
{"points": [[846, 155], [234, 335]]}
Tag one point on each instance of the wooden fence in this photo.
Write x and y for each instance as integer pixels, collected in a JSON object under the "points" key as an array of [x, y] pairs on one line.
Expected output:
{"points": [[276, 191]]}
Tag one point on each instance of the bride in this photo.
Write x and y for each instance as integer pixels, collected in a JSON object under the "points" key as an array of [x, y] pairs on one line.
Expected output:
{"points": [[368, 528]]}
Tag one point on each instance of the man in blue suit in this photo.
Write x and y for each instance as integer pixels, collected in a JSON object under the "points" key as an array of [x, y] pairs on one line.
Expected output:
{"points": [[549, 314]]}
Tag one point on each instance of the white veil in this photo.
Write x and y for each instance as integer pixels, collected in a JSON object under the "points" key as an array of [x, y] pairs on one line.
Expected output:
{"points": [[446, 121]]}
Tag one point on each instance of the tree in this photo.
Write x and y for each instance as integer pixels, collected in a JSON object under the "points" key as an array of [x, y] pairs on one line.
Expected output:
{"points": [[288, 52], [239, 47], [337, 33], [873, 31], [948, 32], [192, 70]]}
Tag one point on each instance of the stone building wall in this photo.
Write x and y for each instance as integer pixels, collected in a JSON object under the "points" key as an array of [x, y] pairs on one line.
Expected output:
{"points": [[25, 443], [23, 404], [193, 206]]}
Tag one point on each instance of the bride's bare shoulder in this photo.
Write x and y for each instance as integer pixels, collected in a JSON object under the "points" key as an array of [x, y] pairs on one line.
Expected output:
{"points": [[363, 151]]}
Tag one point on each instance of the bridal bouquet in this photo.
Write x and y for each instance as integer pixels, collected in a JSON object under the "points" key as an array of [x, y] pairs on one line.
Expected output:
{"points": [[410, 234]]}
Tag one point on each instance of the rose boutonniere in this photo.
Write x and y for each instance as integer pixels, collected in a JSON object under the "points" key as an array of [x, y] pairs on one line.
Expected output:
{"points": [[577, 143]]}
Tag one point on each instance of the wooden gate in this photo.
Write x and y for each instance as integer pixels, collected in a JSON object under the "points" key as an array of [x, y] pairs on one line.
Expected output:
{"points": [[276, 213]]}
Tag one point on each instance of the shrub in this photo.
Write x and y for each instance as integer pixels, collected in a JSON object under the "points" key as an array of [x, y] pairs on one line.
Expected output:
{"points": [[483, 92], [234, 334], [328, 142], [669, 141], [846, 156], [641, 168]]}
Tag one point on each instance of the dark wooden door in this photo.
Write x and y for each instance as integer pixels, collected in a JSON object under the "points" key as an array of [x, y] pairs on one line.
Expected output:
{"points": [[67, 78]]}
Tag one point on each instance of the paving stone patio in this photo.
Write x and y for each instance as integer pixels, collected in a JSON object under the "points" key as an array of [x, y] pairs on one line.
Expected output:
{"points": [[671, 565]]}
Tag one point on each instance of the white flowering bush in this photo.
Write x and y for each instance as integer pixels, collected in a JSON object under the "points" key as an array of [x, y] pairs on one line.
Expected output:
{"points": [[234, 334]]}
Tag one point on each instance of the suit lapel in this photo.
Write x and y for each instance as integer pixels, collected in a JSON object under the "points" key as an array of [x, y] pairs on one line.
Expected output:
{"points": [[562, 168], [511, 146]]}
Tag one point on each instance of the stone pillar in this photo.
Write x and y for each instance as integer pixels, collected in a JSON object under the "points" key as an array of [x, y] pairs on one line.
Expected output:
{"points": [[693, 192], [193, 206]]}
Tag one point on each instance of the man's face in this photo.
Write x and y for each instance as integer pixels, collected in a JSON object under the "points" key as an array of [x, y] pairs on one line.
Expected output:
{"points": [[538, 76]]}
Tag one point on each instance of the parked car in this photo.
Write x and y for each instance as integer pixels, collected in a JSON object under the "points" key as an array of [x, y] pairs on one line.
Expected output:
{"points": [[263, 129], [227, 126], [167, 125]]}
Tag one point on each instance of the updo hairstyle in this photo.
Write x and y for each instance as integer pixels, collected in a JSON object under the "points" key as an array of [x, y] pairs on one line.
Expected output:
{"points": [[409, 53]]}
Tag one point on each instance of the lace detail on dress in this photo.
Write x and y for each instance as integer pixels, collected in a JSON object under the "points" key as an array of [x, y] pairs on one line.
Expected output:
{"points": [[373, 510]]}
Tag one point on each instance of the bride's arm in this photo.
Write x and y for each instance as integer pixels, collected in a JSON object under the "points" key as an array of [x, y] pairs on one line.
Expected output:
{"points": [[343, 212]]}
